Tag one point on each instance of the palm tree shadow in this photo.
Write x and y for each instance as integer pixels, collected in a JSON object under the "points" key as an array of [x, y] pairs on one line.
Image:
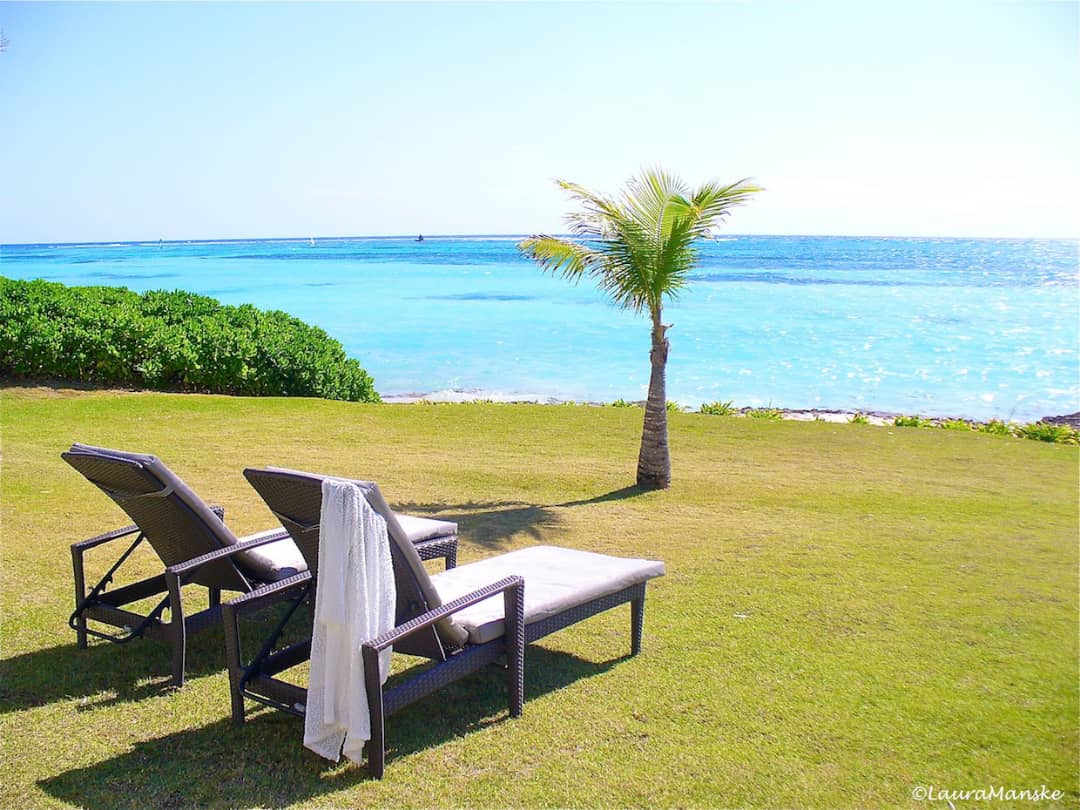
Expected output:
{"points": [[489, 523], [622, 494], [263, 763], [492, 523]]}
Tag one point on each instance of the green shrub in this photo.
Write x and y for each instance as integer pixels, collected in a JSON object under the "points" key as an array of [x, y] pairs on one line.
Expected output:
{"points": [[911, 421], [622, 403], [718, 408], [996, 427], [955, 424], [1044, 432], [859, 419], [674, 407], [770, 414], [169, 340]]}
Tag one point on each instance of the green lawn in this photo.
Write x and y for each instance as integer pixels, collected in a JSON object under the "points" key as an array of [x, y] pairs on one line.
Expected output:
{"points": [[849, 612]]}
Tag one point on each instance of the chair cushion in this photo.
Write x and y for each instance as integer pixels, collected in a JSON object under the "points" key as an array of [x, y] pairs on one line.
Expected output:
{"points": [[419, 529], [556, 579], [274, 561]]}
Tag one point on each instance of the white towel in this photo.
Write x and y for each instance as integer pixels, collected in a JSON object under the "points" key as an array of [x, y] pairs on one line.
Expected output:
{"points": [[354, 603]]}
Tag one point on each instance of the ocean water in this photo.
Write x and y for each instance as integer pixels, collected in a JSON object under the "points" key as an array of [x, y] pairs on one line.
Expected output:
{"points": [[943, 327]]}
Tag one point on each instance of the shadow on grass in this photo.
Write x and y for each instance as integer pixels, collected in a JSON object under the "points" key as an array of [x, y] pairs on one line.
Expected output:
{"points": [[105, 674], [108, 673], [492, 523], [264, 764]]}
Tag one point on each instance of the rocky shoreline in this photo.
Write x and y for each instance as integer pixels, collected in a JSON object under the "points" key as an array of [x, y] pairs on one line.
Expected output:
{"points": [[1068, 420], [873, 417]]}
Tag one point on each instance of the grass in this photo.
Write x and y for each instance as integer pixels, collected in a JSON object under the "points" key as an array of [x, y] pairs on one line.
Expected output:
{"points": [[847, 614]]}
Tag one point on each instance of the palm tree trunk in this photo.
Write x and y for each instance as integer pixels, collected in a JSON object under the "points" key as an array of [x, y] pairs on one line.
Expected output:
{"points": [[654, 460]]}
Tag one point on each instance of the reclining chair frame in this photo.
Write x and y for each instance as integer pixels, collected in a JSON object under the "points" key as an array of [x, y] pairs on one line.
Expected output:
{"points": [[109, 607], [415, 634], [215, 570]]}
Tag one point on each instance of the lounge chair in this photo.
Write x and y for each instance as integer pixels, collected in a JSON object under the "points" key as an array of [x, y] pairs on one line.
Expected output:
{"points": [[449, 617], [195, 547]]}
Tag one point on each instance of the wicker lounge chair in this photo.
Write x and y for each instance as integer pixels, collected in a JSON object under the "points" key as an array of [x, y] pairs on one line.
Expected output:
{"points": [[195, 547], [449, 617]]}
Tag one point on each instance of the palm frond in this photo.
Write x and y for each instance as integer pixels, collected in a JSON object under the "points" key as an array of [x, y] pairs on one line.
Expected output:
{"points": [[559, 256], [714, 202], [649, 198], [624, 272], [676, 259], [596, 214], [640, 245]]}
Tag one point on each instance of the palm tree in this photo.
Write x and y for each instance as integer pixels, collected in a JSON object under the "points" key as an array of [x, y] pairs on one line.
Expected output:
{"points": [[639, 246]]}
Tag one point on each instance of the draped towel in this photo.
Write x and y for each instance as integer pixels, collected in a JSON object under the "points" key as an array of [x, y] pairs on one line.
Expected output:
{"points": [[354, 603]]}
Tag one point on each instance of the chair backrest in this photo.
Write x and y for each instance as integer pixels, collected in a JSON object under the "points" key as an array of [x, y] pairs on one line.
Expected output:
{"points": [[296, 499], [175, 521]]}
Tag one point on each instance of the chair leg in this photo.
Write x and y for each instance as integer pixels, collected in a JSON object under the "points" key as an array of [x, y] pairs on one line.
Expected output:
{"points": [[514, 611], [376, 746], [80, 594], [177, 628], [215, 597], [232, 659], [637, 620]]}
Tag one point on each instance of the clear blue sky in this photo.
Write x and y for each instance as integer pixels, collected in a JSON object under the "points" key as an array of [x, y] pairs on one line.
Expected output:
{"points": [[213, 120]]}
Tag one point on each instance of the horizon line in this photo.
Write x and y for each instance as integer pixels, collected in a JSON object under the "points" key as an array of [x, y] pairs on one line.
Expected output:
{"points": [[435, 236]]}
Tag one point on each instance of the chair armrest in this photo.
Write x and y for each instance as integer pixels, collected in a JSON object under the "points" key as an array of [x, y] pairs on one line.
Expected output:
{"points": [[186, 567], [391, 637], [104, 538], [271, 592]]}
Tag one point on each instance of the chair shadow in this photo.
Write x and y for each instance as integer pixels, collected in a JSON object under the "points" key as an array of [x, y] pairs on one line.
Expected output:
{"points": [[165, 771], [492, 523], [105, 673], [102, 671]]}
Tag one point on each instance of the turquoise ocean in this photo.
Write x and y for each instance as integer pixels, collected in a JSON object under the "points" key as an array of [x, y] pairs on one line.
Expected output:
{"points": [[941, 327]]}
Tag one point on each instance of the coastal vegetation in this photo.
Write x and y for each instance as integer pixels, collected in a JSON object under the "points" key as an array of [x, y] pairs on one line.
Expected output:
{"points": [[1040, 431], [768, 414], [996, 427], [833, 631], [718, 408], [169, 341], [639, 247], [911, 421]]}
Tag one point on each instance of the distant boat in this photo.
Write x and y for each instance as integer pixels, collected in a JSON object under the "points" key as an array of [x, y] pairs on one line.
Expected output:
{"points": [[420, 238], [312, 238]]}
